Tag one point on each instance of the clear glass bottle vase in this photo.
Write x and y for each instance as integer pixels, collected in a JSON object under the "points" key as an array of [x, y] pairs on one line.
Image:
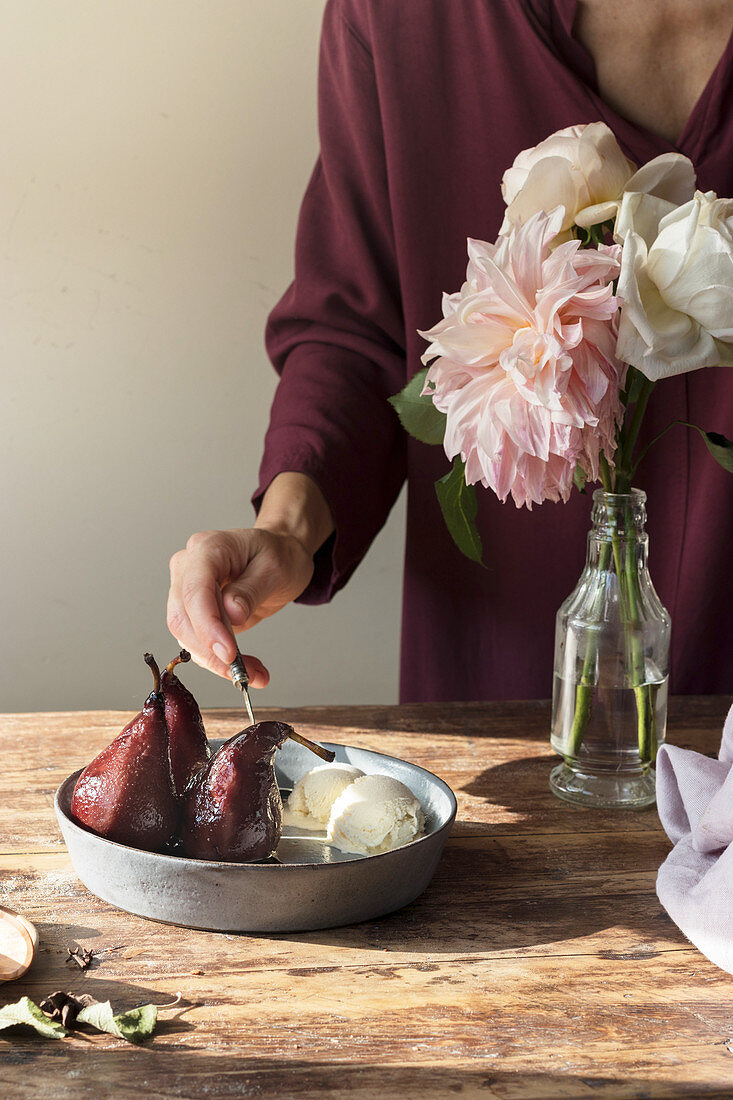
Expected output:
{"points": [[609, 704]]}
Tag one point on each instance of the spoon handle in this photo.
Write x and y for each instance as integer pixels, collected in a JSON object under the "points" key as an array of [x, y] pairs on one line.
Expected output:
{"points": [[240, 679], [240, 676]]}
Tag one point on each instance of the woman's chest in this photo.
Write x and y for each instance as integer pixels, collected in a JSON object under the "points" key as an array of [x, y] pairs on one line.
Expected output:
{"points": [[654, 60]]}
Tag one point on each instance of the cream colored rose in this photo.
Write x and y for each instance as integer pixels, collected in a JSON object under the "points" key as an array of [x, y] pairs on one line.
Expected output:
{"points": [[676, 284], [670, 177], [583, 170]]}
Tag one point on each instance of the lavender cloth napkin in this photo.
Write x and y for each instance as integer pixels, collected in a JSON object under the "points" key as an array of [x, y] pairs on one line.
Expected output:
{"points": [[695, 882]]}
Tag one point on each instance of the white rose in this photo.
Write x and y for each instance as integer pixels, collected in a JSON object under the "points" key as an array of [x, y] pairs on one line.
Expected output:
{"points": [[670, 177], [676, 284], [583, 170]]}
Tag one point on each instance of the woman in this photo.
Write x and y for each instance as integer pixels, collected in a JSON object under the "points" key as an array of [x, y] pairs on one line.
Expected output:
{"points": [[423, 105]]}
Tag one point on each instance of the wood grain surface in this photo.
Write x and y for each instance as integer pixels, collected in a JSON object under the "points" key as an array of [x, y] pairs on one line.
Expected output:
{"points": [[538, 964]]}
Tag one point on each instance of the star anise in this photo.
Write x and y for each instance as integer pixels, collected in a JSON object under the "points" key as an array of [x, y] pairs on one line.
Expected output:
{"points": [[82, 956]]}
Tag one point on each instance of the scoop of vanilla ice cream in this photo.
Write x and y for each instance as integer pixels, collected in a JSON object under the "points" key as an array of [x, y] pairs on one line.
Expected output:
{"points": [[309, 804], [375, 813]]}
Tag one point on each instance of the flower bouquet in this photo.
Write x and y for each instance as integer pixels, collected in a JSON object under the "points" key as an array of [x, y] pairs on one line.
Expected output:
{"points": [[604, 280]]}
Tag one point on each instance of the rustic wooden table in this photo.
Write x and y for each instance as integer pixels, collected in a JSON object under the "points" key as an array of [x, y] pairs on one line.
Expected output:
{"points": [[539, 963]]}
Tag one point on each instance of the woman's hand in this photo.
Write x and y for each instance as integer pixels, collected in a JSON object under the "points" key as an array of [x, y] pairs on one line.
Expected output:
{"points": [[239, 577], [249, 574]]}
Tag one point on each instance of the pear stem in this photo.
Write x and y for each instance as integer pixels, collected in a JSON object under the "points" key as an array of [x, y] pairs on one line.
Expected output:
{"points": [[153, 666], [182, 657], [325, 754]]}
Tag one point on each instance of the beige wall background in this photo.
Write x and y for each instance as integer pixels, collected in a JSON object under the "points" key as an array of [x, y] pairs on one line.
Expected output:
{"points": [[153, 160]]}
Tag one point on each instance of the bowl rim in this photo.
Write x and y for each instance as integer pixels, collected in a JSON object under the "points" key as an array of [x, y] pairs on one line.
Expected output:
{"points": [[263, 865]]}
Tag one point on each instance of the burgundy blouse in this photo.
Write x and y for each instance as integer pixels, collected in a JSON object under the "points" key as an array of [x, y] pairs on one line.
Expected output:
{"points": [[423, 105]]}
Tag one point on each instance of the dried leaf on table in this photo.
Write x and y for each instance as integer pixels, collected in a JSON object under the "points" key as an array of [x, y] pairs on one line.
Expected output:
{"points": [[71, 1010], [26, 1011], [133, 1026], [66, 1006]]}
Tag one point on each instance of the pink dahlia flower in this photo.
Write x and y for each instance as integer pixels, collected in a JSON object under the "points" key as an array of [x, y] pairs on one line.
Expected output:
{"points": [[526, 370]]}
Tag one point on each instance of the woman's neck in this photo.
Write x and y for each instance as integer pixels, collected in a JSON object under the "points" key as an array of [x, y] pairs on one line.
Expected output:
{"points": [[654, 57]]}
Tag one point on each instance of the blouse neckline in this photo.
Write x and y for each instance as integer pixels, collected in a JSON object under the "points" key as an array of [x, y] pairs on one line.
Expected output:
{"points": [[699, 130]]}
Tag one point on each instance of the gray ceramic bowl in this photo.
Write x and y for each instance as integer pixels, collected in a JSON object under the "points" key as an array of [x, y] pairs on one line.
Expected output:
{"points": [[313, 886]]}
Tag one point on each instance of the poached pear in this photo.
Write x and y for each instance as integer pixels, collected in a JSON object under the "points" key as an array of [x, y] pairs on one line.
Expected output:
{"points": [[232, 810], [186, 733], [127, 794]]}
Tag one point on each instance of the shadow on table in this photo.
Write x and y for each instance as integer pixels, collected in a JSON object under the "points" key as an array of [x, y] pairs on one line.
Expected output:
{"points": [[523, 787], [174, 1070], [471, 907], [549, 876]]}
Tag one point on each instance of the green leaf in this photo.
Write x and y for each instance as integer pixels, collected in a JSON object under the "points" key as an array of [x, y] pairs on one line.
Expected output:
{"points": [[138, 1024], [579, 478], [26, 1011], [459, 506], [134, 1026], [418, 415], [593, 235], [634, 384], [720, 448]]}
